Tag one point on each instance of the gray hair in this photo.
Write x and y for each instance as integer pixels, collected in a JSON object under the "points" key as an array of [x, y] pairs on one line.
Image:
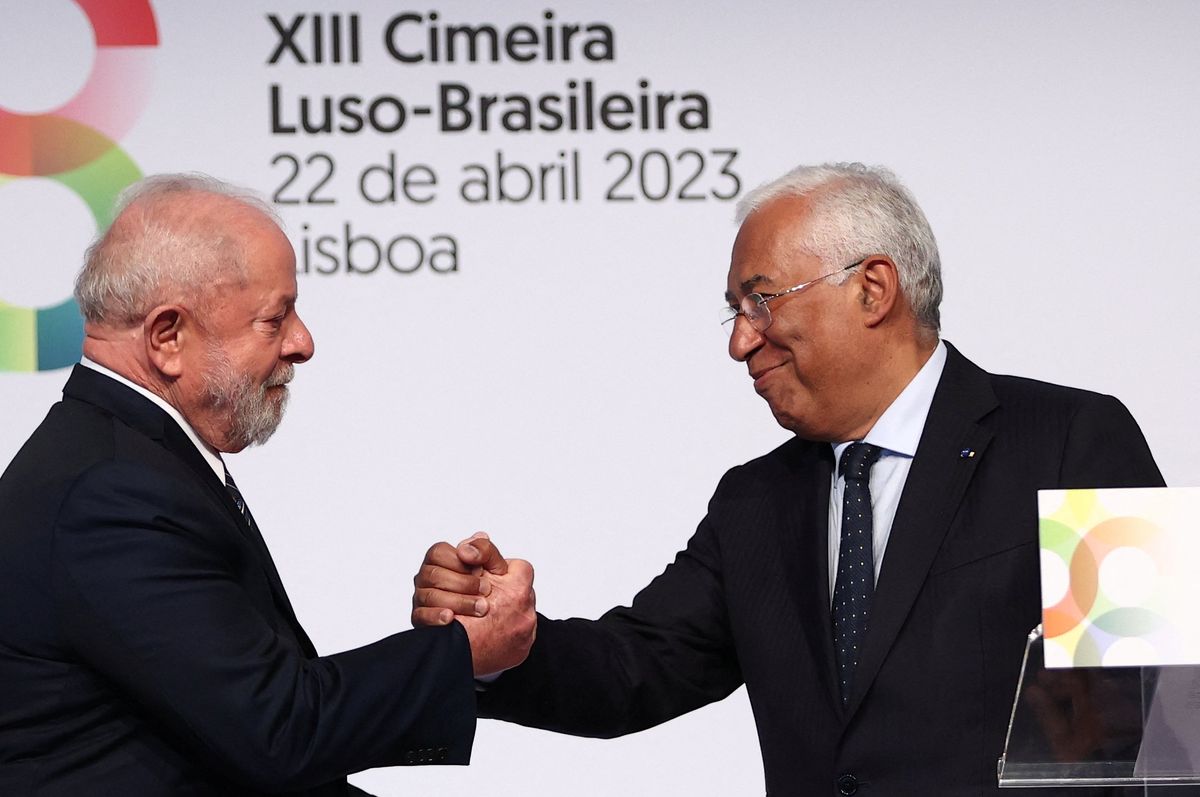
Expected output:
{"points": [[159, 248], [859, 210]]}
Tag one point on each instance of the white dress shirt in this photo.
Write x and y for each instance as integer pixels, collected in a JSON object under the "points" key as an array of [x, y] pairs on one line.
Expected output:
{"points": [[210, 454], [897, 432]]}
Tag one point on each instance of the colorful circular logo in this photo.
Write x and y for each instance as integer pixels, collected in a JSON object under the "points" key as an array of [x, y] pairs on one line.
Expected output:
{"points": [[75, 145], [1104, 564]]}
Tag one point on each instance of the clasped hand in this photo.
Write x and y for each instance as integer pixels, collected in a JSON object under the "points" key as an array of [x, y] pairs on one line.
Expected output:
{"points": [[491, 596]]}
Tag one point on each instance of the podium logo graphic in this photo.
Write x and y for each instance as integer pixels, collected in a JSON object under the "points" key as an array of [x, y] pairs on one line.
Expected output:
{"points": [[75, 145], [1102, 561]]}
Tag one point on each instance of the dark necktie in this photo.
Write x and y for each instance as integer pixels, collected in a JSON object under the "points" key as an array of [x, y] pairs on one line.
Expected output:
{"points": [[277, 593], [240, 502], [256, 537], [856, 563]]}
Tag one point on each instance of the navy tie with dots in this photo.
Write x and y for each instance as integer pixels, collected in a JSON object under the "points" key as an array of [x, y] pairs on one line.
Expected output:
{"points": [[855, 582]]}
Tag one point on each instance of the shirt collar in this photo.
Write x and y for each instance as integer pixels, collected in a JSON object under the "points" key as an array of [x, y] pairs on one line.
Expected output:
{"points": [[210, 454], [898, 430]]}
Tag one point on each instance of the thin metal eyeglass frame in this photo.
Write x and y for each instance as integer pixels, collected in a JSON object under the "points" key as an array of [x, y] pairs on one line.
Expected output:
{"points": [[752, 303]]}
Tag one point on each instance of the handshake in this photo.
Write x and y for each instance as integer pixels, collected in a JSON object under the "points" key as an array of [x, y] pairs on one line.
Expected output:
{"points": [[491, 596]]}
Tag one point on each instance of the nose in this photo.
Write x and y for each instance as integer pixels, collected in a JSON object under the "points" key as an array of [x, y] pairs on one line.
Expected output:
{"points": [[298, 344], [745, 339]]}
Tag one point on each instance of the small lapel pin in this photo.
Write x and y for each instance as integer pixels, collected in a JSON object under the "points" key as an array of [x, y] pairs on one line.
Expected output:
{"points": [[966, 453]]}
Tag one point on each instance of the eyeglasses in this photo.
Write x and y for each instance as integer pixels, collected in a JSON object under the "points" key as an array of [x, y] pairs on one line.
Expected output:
{"points": [[754, 305]]}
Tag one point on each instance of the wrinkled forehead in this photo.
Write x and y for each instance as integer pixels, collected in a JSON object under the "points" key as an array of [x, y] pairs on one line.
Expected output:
{"points": [[270, 255], [266, 260]]}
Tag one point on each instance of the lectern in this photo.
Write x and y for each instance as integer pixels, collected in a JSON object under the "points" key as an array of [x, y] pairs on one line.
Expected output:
{"points": [[1095, 726]]}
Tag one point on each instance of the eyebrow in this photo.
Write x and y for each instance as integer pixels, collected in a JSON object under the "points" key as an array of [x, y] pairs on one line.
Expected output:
{"points": [[279, 305], [747, 286]]}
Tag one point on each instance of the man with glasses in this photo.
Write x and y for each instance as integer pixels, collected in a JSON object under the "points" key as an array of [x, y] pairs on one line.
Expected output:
{"points": [[871, 581]]}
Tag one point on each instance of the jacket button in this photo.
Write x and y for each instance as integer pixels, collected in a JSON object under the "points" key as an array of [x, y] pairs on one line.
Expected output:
{"points": [[847, 784]]}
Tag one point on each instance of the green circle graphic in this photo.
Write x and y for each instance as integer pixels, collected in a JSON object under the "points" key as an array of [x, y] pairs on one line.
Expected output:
{"points": [[45, 338]]}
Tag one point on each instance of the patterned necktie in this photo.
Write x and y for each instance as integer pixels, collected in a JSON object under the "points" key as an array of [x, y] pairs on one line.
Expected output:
{"points": [[240, 502], [268, 564], [856, 563]]}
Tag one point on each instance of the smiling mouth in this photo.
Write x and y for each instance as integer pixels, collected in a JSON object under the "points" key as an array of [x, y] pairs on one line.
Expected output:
{"points": [[759, 376]]}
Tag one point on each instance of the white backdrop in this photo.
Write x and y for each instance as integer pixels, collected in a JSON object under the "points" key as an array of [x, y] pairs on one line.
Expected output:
{"points": [[567, 388]]}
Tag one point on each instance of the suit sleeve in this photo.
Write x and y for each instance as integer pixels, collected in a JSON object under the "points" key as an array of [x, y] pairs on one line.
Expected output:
{"points": [[148, 595], [668, 653]]}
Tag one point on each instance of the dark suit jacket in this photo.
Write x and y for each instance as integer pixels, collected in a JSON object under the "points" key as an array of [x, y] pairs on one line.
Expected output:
{"points": [[748, 602], [147, 646]]}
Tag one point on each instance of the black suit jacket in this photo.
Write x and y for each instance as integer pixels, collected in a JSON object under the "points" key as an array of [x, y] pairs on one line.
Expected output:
{"points": [[748, 602], [147, 646]]}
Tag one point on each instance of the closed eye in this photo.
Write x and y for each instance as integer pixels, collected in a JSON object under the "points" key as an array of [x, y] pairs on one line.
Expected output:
{"points": [[274, 323]]}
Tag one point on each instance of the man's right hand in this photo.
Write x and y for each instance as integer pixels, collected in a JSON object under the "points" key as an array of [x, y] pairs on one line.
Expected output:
{"points": [[491, 596]]}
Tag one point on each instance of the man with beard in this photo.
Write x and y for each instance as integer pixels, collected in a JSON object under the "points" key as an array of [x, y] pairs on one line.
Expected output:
{"points": [[147, 645], [872, 580]]}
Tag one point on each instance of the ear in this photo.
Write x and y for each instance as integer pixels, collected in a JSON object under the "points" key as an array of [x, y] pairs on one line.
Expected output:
{"points": [[880, 289], [166, 330]]}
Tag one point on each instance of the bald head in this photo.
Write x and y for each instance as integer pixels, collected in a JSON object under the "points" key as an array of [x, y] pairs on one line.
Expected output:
{"points": [[175, 238]]}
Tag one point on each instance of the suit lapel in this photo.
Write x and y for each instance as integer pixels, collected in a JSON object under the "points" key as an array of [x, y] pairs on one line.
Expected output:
{"points": [[952, 445], [805, 543], [178, 443], [143, 415]]}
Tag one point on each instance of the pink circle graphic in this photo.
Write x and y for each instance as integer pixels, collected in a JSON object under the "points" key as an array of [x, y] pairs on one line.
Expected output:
{"points": [[58, 141]]}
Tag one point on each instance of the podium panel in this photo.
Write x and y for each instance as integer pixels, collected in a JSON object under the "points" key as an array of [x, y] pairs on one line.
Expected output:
{"points": [[1096, 726]]}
